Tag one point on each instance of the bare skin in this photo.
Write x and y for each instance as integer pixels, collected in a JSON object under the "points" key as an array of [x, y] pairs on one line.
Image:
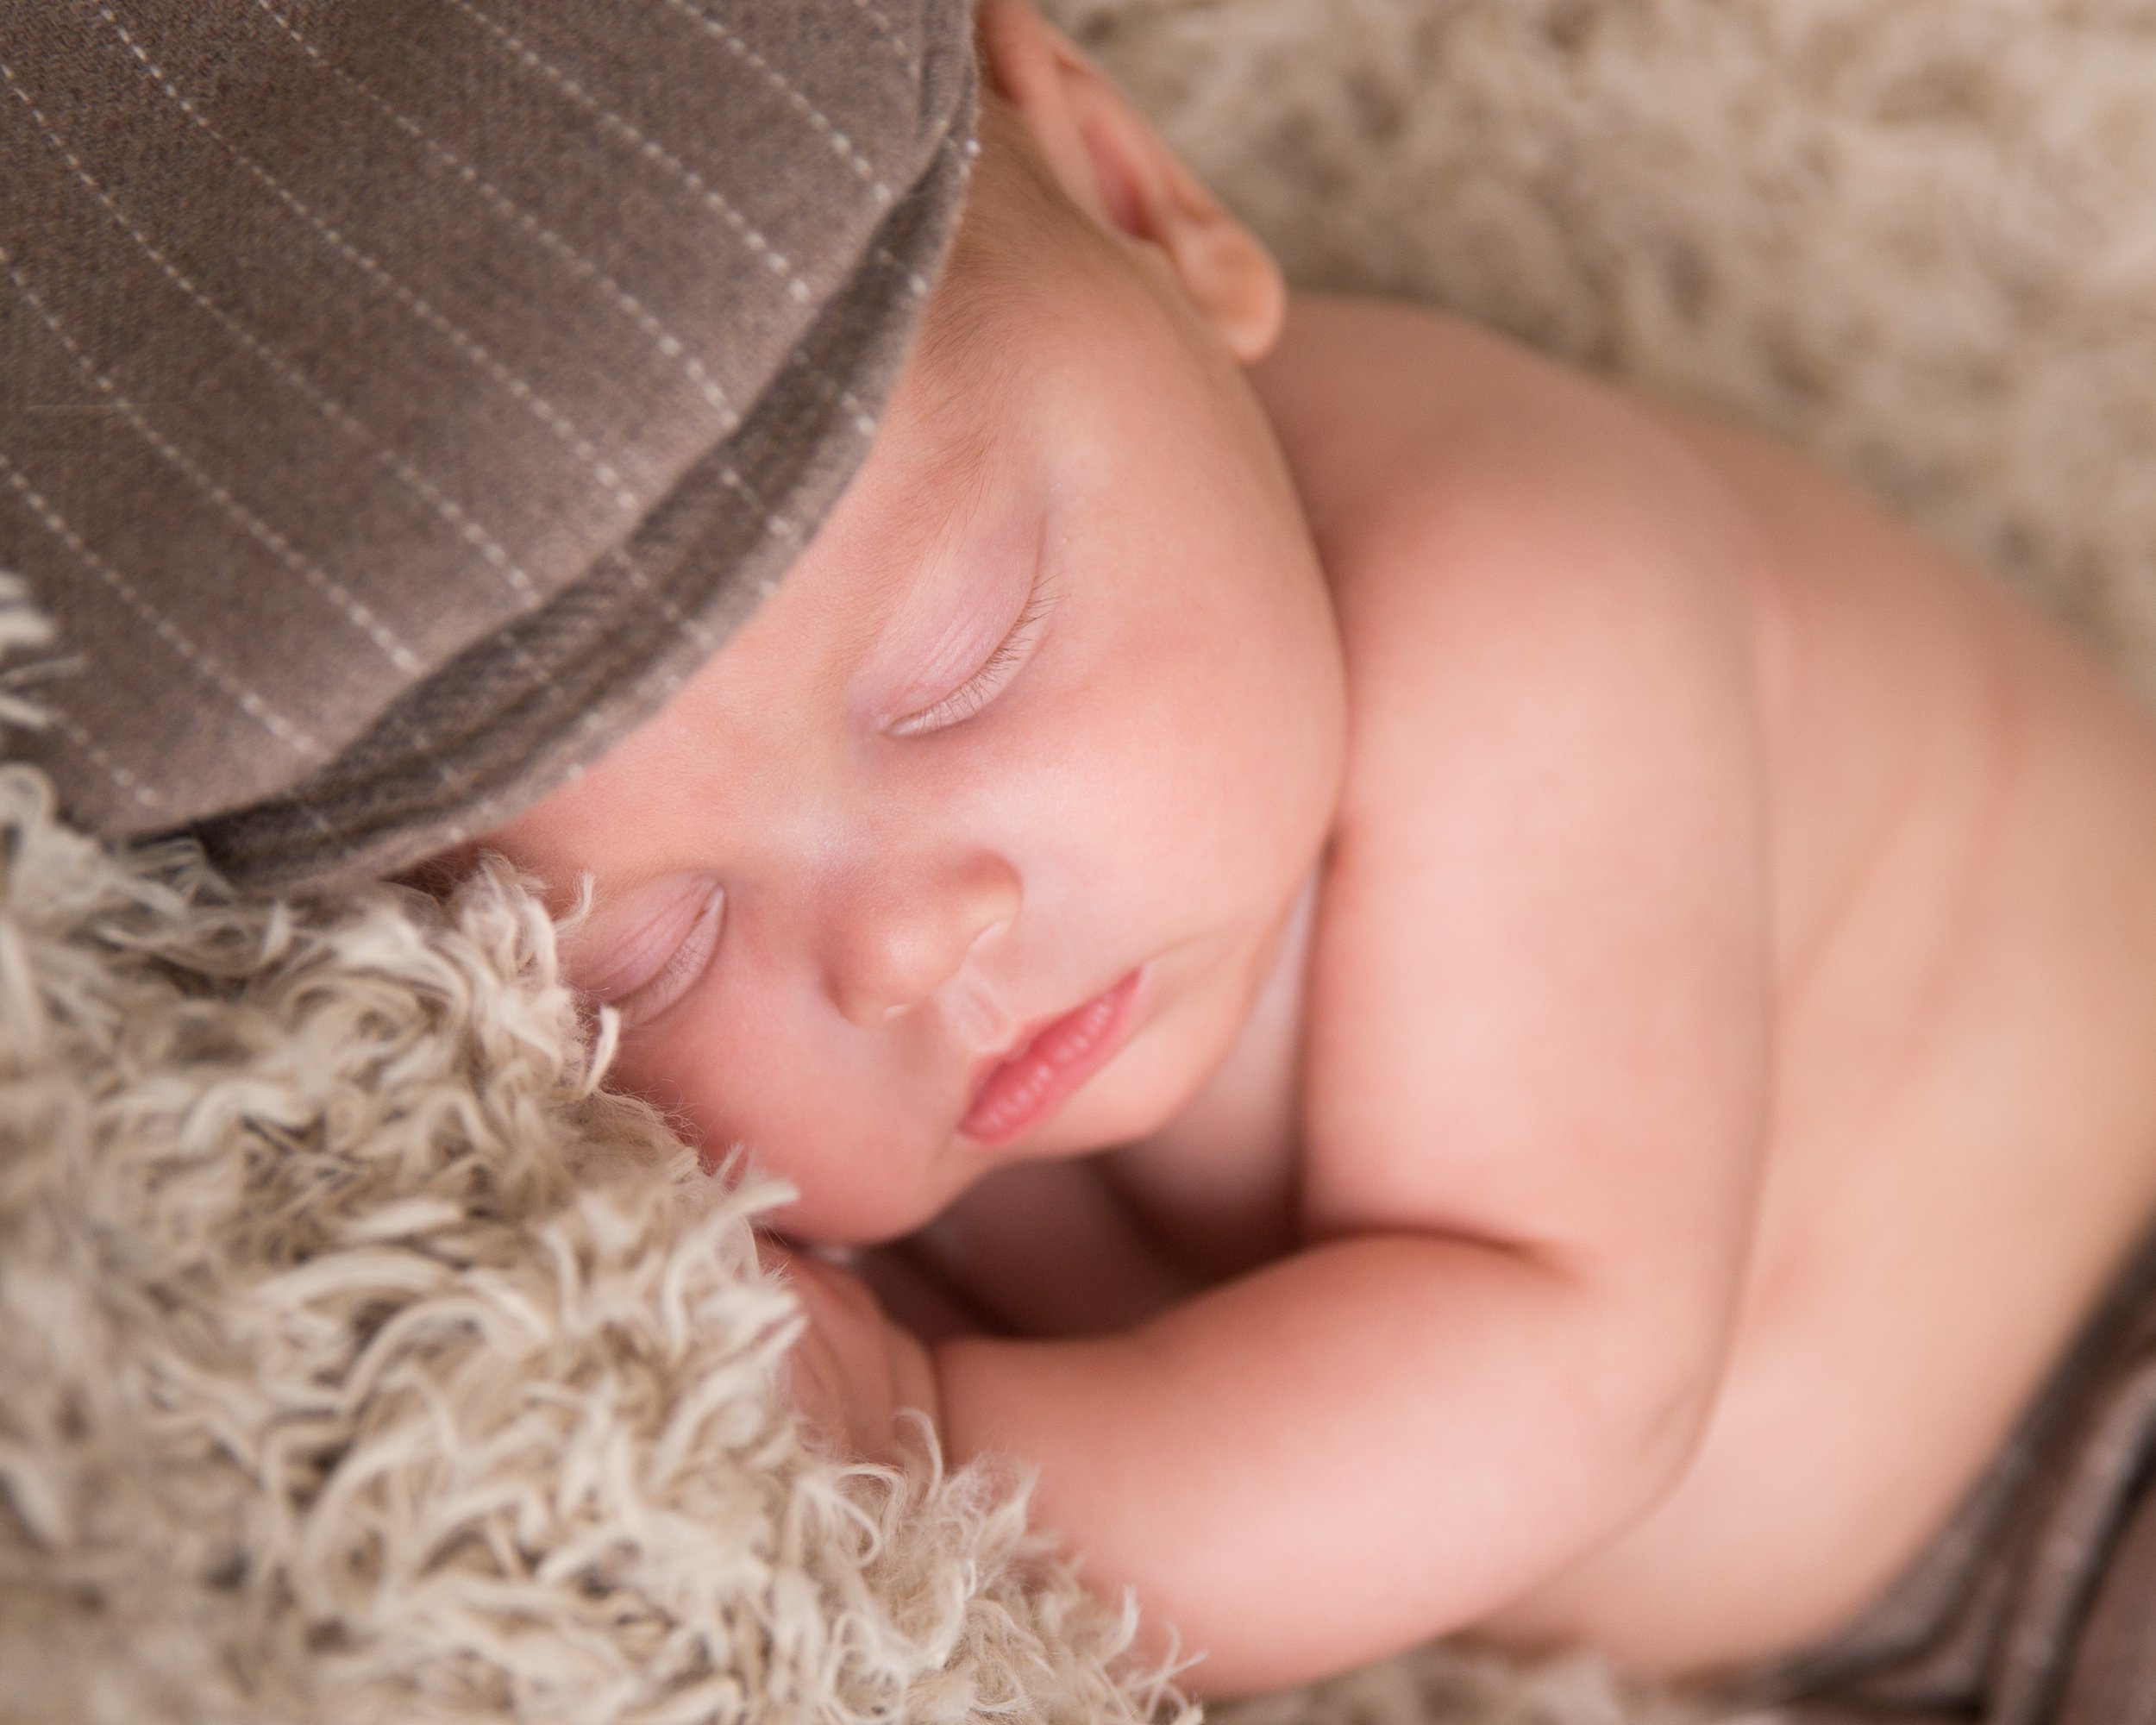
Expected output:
{"points": [[1961, 1145], [1634, 970]]}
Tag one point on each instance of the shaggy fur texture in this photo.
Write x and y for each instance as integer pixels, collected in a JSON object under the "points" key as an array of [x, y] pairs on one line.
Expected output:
{"points": [[359, 1360], [362, 1361]]}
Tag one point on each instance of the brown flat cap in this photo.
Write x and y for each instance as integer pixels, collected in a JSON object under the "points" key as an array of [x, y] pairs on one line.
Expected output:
{"points": [[399, 397]]}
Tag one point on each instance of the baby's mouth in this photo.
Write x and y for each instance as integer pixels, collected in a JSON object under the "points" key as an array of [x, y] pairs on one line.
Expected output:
{"points": [[1024, 1088]]}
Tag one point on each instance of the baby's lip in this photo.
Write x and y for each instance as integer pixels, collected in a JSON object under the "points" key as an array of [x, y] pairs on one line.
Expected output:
{"points": [[1012, 1092]]}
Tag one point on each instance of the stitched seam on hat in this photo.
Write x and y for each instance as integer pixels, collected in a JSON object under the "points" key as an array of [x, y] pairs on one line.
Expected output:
{"points": [[640, 578], [316, 577], [470, 530], [650, 148], [669, 346], [98, 755], [608, 477], [883, 27], [862, 166], [202, 663], [359, 614]]}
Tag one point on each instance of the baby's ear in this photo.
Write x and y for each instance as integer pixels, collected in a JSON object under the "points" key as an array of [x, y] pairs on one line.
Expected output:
{"points": [[1119, 171]]}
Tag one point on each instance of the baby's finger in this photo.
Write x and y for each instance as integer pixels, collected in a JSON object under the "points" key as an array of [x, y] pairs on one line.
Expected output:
{"points": [[852, 1370]]}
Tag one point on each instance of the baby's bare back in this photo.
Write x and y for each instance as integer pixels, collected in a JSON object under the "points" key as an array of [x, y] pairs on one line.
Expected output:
{"points": [[1962, 867]]}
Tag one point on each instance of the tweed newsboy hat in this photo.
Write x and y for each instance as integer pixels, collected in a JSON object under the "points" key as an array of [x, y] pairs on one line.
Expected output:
{"points": [[399, 397]]}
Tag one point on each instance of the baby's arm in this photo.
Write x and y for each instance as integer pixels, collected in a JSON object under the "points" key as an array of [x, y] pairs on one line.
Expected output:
{"points": [[1540, 1019]]}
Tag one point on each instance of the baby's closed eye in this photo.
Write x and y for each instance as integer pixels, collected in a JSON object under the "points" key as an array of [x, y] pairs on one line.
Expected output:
{"points": [[642, 953], [987, 680]]}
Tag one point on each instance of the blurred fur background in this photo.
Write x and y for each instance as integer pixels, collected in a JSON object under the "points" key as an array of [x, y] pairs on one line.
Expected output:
{"points": [[1917, 238]]}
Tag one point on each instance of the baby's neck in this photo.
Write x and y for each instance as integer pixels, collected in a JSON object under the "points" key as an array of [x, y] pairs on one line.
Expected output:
{"points": [[1237, 1141]]}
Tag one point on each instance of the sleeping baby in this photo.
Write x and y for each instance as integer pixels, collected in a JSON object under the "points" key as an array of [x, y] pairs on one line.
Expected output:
{"points": [[1458, 1001]]}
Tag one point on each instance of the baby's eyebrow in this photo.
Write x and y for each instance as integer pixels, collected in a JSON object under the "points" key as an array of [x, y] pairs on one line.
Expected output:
{"points": [[946, 547], [949, 490], [937, 511]]}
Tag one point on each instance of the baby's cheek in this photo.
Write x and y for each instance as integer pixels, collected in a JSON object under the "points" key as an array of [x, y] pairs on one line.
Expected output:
{"points": [[1228, 804], [739, 1079], [861, 1177]]}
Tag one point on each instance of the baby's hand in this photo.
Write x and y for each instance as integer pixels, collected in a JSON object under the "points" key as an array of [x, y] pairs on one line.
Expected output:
{"points": [[853, 1371]]}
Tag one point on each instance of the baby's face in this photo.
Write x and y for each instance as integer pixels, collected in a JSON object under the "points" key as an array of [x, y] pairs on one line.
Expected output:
{"points": [[977, 840]]}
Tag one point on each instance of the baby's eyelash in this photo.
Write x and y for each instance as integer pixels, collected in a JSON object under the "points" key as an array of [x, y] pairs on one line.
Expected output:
{"points": [[986, 683], [684, 965]]}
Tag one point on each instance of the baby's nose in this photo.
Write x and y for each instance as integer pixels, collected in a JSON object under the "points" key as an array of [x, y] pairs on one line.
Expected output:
{"points": [[899, 935]]}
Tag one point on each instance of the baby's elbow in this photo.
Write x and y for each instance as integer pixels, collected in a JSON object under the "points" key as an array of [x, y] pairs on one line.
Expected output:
{"points": [[1674, 1431], [1661, 1432], [1656, 1344]]}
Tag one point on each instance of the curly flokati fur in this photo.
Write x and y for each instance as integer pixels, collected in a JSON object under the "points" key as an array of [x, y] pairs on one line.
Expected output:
{"points": [[363, 1360]]}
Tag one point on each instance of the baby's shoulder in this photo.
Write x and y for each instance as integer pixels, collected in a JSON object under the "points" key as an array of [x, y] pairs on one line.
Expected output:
{"points": [[1430, 452], [1553, 788], [1512, 546]]}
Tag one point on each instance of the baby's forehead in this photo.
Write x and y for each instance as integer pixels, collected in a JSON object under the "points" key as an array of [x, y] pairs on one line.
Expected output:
{"points": [[1026, 265], [965, 443], [925, 506]]}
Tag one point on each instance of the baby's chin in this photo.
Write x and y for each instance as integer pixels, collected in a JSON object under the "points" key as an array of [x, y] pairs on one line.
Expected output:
{"points": [[833, 1211], [827, 1220]]}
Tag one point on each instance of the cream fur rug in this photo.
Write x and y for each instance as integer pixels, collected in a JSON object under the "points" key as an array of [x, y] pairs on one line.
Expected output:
{"points": [[360, 1361]]}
